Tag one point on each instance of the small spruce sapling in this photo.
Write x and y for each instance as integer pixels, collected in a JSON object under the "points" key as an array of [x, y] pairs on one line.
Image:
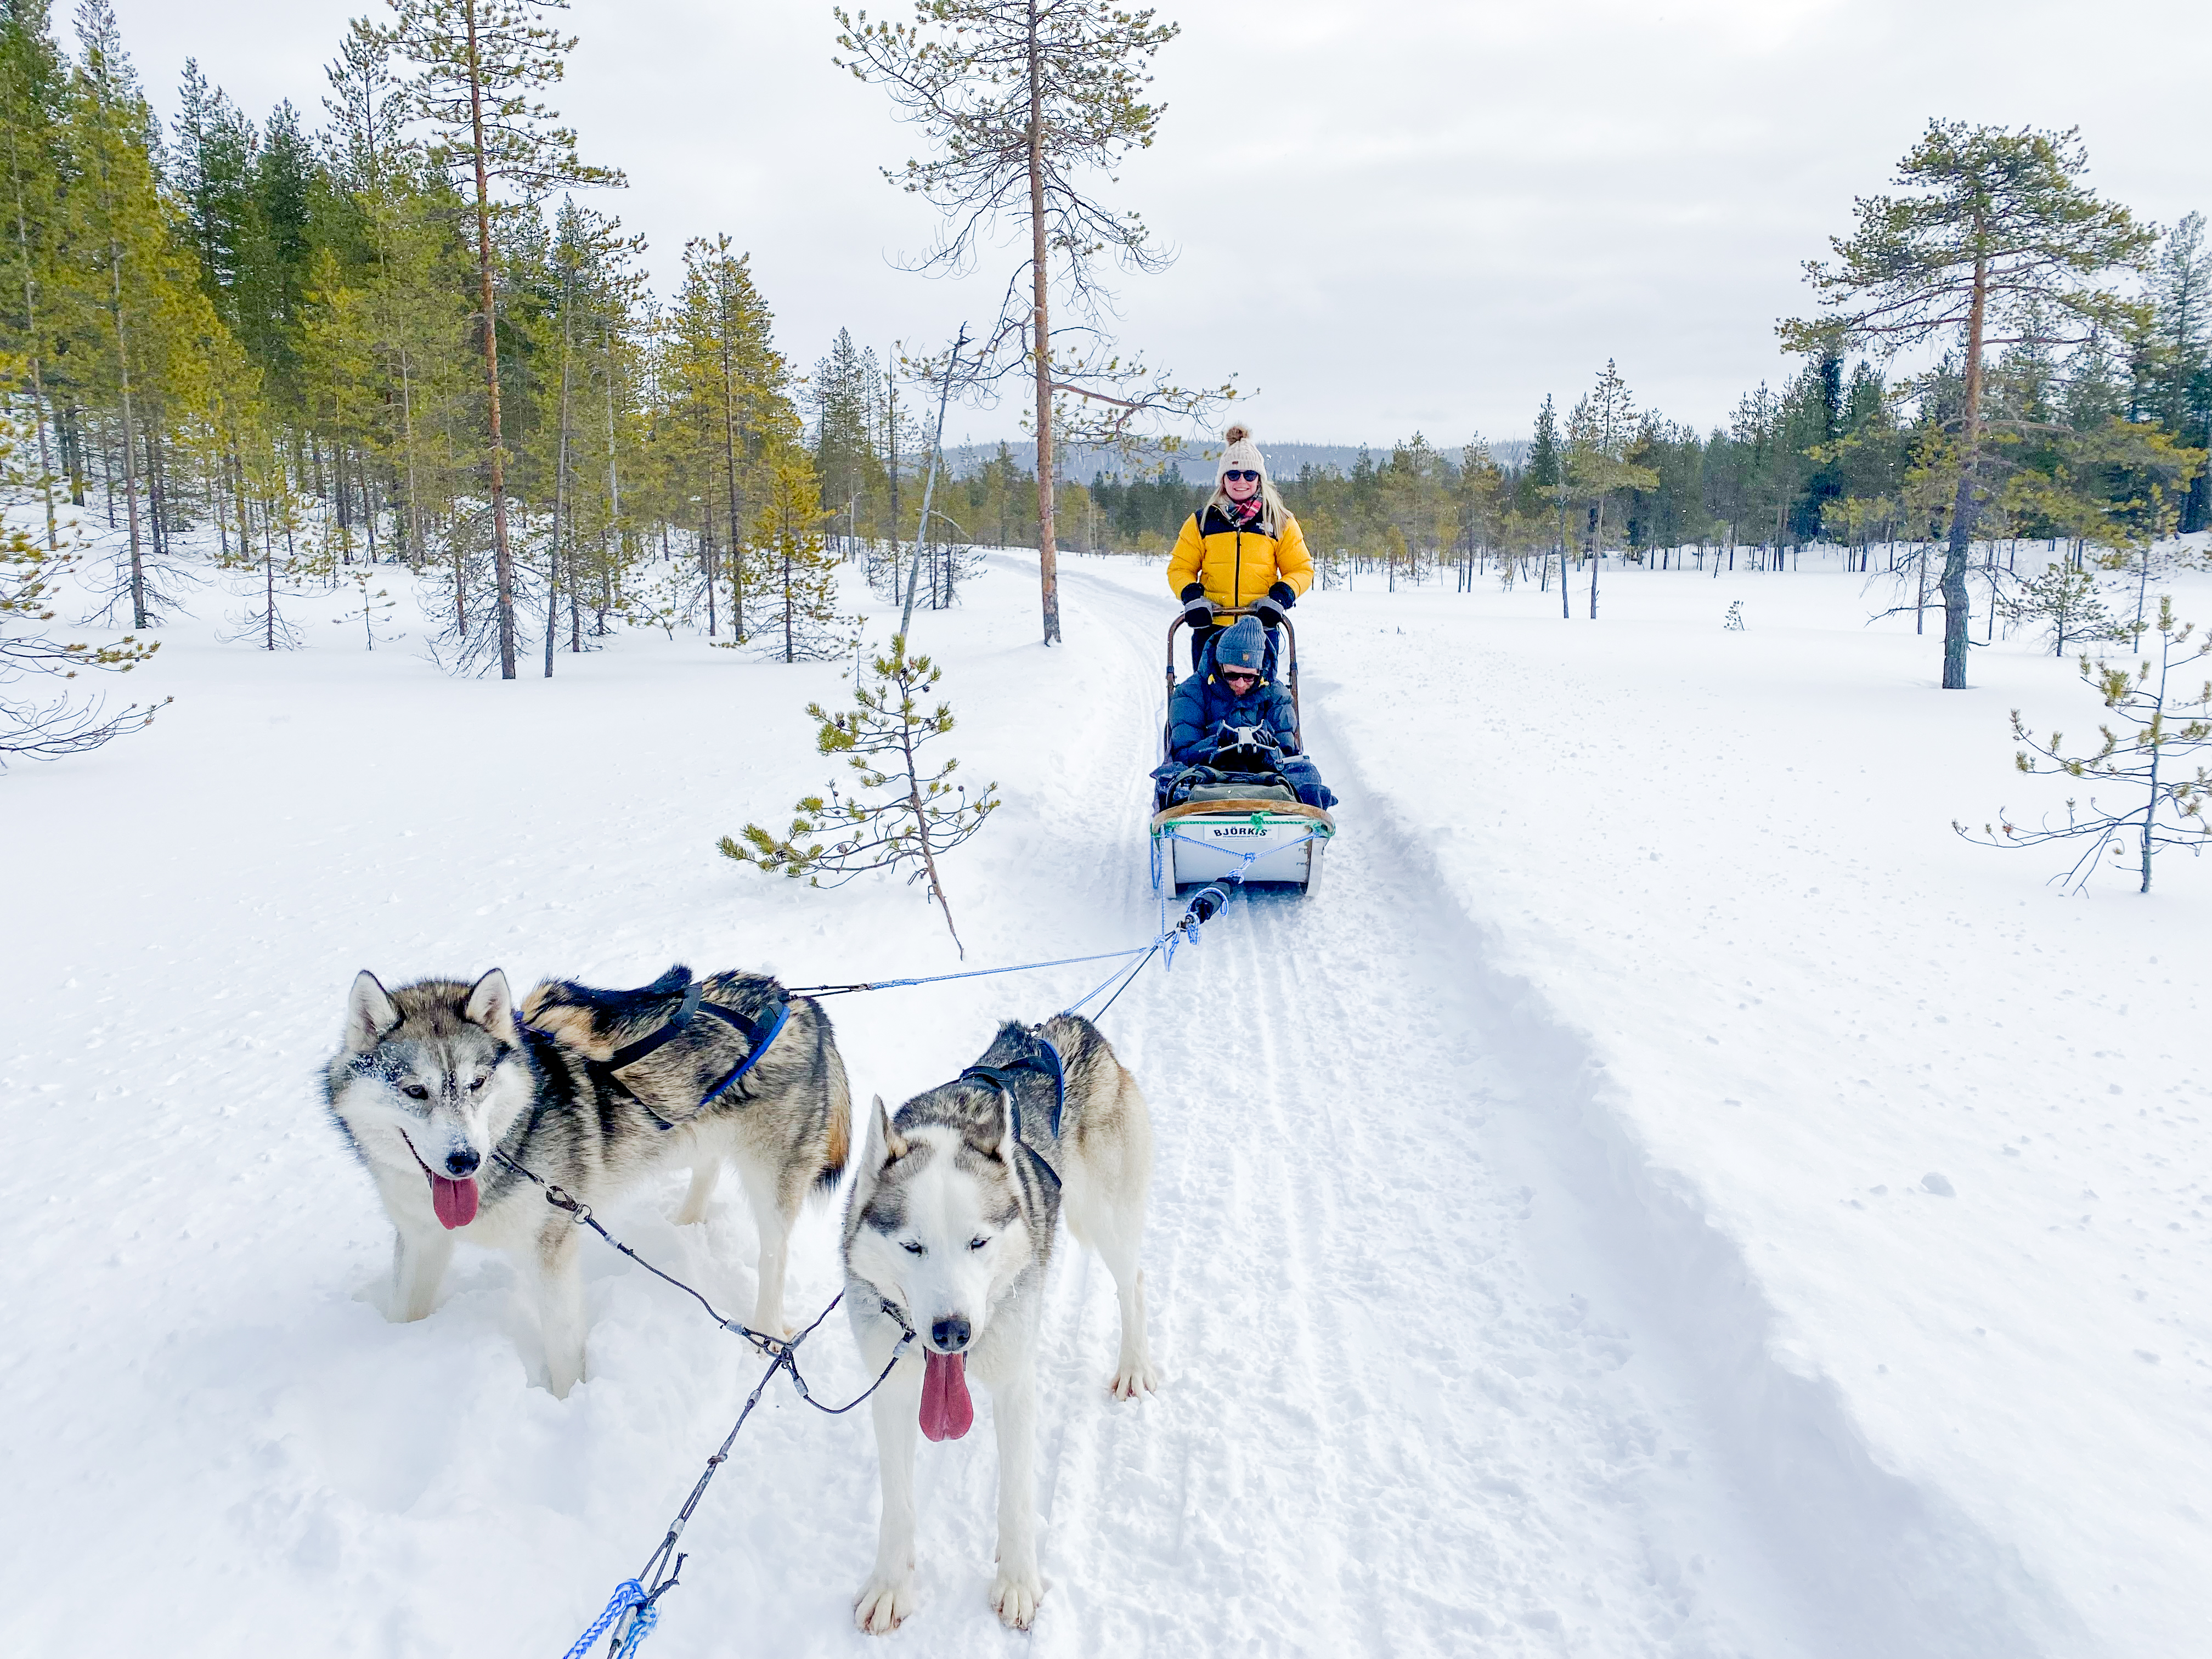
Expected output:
{"points": [[1733, 623], [370, 608], [901, 814], [2168, 727], [2067, 604]]}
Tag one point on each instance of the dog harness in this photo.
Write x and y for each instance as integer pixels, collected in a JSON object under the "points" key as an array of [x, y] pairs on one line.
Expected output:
{"points": [[757, 1037], [1004, 1079]]}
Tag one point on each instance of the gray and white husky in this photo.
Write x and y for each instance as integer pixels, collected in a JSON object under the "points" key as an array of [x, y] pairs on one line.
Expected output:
{"points": [[950, 1229], [432, 1077]]}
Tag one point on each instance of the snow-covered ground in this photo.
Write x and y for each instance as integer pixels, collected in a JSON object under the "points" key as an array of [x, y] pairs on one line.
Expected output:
{"points": [[1662, 1194]]}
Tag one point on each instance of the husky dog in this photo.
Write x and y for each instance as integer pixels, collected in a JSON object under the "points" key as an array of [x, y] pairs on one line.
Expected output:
{"points": [[592, 1090], [948, 1233]]}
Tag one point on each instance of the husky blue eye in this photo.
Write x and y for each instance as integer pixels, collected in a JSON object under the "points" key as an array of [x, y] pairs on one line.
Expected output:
{"points": [[416, 1092], [911, 1248], [978, 1243], [478, 1085]]}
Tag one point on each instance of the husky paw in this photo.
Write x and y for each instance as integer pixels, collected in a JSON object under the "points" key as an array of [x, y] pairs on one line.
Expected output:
{"points": [[1014, 1598], [1134, 1379], [881, 1606]]}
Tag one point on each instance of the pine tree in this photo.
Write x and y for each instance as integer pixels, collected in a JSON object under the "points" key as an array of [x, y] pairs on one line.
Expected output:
{"points": [[213, 146], [479, 66], [118, 231], [1596, 463], [2000, 233], [1020, 98], [277, 256], [32, 79], [797, 613], [732, 388], [2181, 294], [1546, 475]]}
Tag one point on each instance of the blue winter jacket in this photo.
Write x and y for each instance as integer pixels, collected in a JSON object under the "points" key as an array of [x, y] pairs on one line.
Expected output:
{"points": [[1203, 702]]}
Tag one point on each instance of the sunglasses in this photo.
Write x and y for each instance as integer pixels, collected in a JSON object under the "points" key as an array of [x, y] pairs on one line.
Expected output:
{"points": [[1237, 674], [1239, 476]]}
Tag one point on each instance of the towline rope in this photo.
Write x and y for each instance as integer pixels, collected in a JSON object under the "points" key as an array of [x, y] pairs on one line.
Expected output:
{"points": [[938, 979], [1205, 905], [633, 1610]]}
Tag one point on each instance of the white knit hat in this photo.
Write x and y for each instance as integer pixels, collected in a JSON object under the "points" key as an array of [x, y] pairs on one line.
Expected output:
{"points": [[1240, 452]]}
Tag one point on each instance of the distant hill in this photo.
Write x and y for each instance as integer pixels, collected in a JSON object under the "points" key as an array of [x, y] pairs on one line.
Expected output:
{"points": [[1285, 460]]}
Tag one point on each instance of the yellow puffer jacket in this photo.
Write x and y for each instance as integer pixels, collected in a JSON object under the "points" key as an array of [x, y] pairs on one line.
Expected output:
{"points": [[1237, 566]]}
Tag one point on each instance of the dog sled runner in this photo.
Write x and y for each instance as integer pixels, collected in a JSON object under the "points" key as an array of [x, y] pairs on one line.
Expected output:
{"points": [[1248, 824]]}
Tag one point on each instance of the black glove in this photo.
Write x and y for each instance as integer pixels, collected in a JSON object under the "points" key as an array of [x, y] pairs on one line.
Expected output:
{"points": [[1196, 606], [1269, 608]]}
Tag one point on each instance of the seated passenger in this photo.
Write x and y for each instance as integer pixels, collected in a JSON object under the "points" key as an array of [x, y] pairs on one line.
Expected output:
{"points": [[1230, 715]]}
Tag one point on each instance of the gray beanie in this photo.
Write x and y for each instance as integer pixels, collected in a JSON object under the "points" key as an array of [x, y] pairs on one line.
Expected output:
{"points": [[1243, 644]]}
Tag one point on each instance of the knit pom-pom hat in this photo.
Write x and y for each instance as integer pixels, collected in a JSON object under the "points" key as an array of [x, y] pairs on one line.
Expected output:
{"points": [[1239, 454], [1243, 644]]}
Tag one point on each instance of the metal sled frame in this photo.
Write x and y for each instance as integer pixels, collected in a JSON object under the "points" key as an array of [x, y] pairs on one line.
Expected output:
{"points": [[1277, 842]]}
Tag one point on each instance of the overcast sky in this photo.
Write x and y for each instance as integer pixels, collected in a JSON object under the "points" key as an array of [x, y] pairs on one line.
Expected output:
{"points": [[1389, 217]]}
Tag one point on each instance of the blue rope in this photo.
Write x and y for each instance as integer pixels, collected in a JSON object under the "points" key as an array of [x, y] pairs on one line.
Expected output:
{"points": [[629, 1594], [972, 973], [640, 1627], [1125, 974]]}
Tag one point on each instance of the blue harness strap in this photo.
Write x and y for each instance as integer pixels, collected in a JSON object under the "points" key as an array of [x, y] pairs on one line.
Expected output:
{"points": [[757, 1037], [753, 1034]]}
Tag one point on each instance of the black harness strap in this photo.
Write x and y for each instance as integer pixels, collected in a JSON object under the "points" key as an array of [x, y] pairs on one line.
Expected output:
{"points": [[757, 1037], [1004, 1078], [630, 1053]]}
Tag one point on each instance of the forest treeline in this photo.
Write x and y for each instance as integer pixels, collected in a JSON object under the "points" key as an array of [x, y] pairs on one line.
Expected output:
{"points": [[2102, 445], [332, 343], [272, 332]]}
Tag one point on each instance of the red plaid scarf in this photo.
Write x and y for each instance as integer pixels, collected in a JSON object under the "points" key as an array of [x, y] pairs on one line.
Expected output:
{"points": [[1245, 514]]}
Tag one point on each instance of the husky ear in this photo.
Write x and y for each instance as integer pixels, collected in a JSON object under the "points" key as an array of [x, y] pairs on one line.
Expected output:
{"points": [[491, 1006], [1004, 1148], [885, 1143], [370, 1013]]}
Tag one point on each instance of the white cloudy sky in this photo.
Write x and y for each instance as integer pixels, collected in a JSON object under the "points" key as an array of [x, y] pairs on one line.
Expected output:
{"points": [[1391, 215]]}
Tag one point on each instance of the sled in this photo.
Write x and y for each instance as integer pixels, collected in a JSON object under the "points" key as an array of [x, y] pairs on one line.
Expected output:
{"points": [[1244, 829]]}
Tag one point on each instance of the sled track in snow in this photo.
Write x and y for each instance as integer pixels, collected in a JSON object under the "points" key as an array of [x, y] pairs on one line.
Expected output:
{"points": [[1494, 1376]]}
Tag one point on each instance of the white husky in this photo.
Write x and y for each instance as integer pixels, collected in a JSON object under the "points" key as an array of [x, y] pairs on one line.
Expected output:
{"points": [[949, 1228]]}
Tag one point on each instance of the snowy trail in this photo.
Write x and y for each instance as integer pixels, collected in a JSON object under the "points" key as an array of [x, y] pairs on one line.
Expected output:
{"points": [[1435, 1443], [1424, 1389]]}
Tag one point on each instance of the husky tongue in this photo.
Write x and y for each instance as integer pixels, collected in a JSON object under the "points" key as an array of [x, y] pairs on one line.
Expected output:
{"points": [[947, 1411], [455, 1202]]}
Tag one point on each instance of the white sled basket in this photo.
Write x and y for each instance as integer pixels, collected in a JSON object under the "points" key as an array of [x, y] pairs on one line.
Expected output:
{"points": [[1205, 840]]}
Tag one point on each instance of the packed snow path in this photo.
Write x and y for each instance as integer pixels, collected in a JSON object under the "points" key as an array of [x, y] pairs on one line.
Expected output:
{"points": [[1427, 1388]]}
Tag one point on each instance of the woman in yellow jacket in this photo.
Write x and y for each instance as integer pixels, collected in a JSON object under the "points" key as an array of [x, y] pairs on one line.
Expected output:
{"points": [[1242, 549]]}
